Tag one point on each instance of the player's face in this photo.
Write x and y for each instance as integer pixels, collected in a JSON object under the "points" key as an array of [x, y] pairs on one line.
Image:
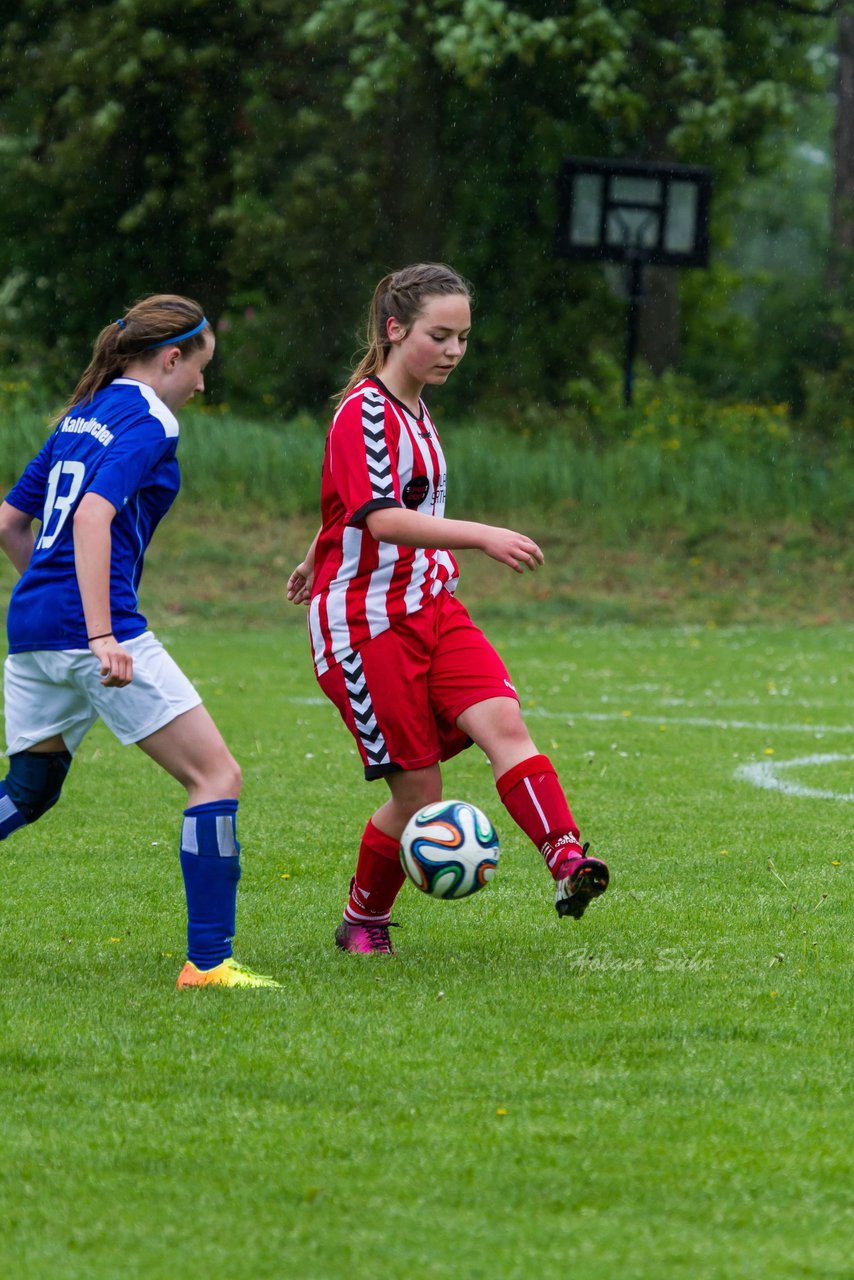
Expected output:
{"points": [[435, 343], [185, 373]]}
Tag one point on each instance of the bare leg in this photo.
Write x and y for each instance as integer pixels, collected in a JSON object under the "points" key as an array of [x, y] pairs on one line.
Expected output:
{"points": [[410, 789], [496, 725], [57, 743], [192, 749]]}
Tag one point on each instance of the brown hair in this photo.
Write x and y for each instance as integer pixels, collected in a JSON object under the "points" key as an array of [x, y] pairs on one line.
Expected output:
{"points": [[150, 322], [402, 294]]}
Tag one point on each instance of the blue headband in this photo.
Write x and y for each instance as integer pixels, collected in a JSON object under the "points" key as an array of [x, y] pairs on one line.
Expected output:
{"points": [[179, 337]]}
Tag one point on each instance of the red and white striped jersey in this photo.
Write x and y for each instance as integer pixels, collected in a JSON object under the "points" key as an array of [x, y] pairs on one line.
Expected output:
{"points": [[377, 455]]}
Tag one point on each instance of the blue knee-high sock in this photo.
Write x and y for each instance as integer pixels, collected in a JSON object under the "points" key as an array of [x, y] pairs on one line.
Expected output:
{"points": [[210, 863], [10, 815]]}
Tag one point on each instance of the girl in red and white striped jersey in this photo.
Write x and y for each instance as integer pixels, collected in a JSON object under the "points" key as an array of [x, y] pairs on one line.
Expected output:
{"points": [[413, 678]]}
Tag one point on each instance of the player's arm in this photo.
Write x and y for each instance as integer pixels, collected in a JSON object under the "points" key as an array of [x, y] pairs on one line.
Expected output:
{"points": [[16, 535], [24, 504], [414, 529], [299, 583], [92, 555]]}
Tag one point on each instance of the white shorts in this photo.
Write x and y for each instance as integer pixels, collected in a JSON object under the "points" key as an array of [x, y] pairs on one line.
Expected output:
{"points": [[49, 692]]}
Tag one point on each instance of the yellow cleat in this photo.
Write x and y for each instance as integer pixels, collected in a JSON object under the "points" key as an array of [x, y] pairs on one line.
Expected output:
{"points": [[227, 974]]}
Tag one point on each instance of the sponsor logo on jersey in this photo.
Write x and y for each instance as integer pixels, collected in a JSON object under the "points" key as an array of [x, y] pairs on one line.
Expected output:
{"points": [[415, 492]]}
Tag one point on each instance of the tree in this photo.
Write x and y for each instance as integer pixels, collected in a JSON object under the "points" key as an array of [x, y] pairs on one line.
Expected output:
{"points": [[705, 83], [273, 157], [120, 124]]}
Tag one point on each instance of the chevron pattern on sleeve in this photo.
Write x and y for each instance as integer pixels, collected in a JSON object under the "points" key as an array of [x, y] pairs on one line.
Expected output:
{"points": [[376, 448]]}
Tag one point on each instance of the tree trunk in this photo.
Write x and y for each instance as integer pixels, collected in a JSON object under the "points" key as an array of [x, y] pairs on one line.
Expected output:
{"points": [[414, 205], [842, 200]]}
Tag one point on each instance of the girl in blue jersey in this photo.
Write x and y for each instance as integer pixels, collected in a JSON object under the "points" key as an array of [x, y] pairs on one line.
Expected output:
{"points": [[78, 646]]}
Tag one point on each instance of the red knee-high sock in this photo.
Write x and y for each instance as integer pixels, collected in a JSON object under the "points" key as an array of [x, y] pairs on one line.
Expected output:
{"points": [[378, 878], [534, 798]]}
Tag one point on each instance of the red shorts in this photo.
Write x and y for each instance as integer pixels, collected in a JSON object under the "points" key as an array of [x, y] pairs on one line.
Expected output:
{"points": [[401, 694]]}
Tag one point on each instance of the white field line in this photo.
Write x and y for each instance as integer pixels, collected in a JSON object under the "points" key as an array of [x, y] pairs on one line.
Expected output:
{"points": [[700, 722], [764, 774], [760, 774]]}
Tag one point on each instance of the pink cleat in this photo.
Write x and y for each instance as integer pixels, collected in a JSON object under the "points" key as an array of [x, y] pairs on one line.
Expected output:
{"points": [[365, 939], [584, 880]]}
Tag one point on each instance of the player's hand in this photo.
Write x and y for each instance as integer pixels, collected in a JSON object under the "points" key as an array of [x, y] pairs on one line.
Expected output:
{"points": [[514, 549], [116, 662], [299, 583]]}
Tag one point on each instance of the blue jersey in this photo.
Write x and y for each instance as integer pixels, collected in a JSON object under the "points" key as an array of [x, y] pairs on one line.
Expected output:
{"points": [[120, 445]]}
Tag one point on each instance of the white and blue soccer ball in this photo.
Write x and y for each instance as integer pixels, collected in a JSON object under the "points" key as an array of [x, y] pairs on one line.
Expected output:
{"points": [[449, 849]]}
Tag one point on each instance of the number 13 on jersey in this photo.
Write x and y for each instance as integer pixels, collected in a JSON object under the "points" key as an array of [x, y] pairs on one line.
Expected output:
{"points": [[60, 504]]}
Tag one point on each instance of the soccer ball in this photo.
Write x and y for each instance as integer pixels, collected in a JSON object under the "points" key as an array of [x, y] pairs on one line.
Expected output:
{"points": [[449, 849]]}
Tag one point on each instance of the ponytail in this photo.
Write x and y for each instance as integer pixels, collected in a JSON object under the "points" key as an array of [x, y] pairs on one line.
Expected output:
{"points": [[156, 321]]}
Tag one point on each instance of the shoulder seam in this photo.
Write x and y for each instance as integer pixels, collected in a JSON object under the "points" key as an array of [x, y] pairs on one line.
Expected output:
{"points": [[156, 408]]}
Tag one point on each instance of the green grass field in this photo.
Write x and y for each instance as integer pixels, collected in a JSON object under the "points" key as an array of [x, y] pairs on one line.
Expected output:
{"points": [[661, 1091]]}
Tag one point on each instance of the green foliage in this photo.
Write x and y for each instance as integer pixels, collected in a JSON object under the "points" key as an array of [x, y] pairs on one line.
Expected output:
{"points": [[24, 416], [755, 456], [827, 397], [759, 321], [673, 457], [274, 157], [230, 462]]}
